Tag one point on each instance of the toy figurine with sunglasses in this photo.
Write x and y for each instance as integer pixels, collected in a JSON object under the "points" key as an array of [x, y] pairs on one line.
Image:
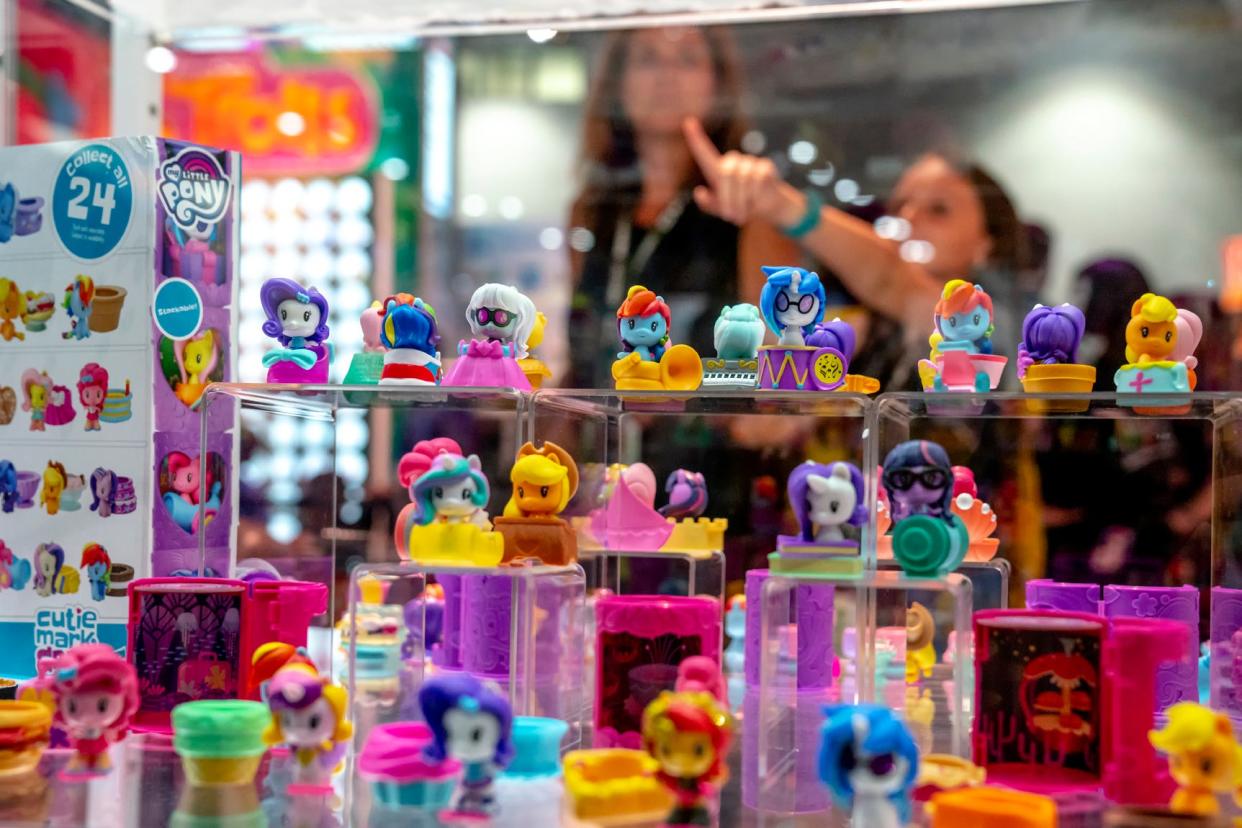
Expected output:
{"points": [[501, 320], [809, 355], [928, 539]]}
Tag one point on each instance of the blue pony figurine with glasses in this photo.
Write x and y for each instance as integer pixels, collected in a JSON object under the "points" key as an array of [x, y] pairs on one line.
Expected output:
{"points": [[792, 303], [869, 761]]}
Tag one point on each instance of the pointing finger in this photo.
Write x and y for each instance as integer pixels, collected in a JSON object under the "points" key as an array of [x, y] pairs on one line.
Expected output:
{"points": [[701, 148]]}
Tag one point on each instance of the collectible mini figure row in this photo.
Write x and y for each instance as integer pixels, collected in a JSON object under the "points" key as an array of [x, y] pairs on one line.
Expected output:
{"points": [[402, 343]]}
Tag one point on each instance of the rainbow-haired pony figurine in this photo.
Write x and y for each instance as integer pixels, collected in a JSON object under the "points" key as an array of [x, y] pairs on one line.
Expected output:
{"points": [[409, 332], [963, 320], [961, 356], [79, 296], [869, 761], [309, 713]]}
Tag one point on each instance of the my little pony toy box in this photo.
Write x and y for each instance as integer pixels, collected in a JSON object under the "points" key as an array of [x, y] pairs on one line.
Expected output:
{"points": [[117, 307]]}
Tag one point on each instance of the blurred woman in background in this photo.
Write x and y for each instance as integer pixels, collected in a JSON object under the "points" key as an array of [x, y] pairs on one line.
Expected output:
{"points": [[634, 220], [960, 221]]}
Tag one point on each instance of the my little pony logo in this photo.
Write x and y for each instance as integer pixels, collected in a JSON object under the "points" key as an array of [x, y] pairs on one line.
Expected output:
{"points": [[194, 190], [56, 630]]}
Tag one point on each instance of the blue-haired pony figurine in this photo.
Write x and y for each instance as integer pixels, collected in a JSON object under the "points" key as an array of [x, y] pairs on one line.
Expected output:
{"points": [[792, 303], [453, 490], [8, 485], [472, 724], [78, 301], [409, 331], [869, 761]]}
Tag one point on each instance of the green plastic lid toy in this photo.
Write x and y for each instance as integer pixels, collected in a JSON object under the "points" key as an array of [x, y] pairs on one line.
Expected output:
{"points": [[220, 729]]}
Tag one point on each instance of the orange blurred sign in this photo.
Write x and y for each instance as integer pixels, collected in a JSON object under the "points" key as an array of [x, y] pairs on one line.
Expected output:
{"points": [[313, 120], [1231, 284]]}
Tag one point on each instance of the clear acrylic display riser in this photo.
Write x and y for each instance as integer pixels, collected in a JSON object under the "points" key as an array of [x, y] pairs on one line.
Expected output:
{"points": [[841, 640], [316, 482], [1104, 488], [656, 572], [521, 628]]}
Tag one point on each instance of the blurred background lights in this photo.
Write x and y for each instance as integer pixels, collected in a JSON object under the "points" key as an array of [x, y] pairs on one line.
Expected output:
{"points": [[892, 227], [395, 169], [511, 208], [283, 527], [551, 238], [917, 251], [161, 60], [317, 197], [754, 142], [290, 123], [846, 189], [581, 239], [822, 176], [802, 152], [541, 35], [353, 196], [473, 205]]}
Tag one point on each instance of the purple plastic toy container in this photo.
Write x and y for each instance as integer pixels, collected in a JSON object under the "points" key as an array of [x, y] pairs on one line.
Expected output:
{"points": [[798, 738], [1226, 649], [1175, 681], [813, 617]]}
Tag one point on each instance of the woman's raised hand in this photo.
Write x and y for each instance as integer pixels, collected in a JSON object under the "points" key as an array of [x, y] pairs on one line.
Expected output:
{"points": [[741, 188]]}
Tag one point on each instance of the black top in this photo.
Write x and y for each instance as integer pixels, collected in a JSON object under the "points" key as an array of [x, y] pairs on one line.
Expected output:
{"points": [[693, 266]]}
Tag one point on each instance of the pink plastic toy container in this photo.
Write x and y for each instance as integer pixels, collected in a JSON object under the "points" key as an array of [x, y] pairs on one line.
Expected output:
{"points": [[640, 640], [392, 762]]}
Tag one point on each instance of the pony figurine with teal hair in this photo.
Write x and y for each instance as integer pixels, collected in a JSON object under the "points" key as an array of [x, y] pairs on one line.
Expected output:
{"points": [[453, 490]]}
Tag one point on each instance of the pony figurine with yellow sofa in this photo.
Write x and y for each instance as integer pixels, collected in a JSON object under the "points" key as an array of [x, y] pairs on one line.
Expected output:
{"points": [[647, 362]]}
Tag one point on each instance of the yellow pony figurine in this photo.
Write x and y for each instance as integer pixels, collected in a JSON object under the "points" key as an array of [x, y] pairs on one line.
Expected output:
{"points": [[1204, 758], [1151, 333], [12, 306]]}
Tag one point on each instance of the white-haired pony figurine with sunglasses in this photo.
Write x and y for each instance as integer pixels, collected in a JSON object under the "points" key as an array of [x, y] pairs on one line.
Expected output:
{"points": [[501, 319]]}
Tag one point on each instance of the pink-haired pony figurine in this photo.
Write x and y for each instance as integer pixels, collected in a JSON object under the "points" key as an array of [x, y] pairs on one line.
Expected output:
{"points": [[96, 698]]}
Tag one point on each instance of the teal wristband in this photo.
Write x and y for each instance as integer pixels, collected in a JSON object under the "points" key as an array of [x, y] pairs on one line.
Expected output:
{"points": [[810, 219]]}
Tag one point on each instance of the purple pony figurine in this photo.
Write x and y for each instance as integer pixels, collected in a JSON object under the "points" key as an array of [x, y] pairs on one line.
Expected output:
{"points": [[826, 498], [1050, 336], [297, 318], [472, 724], [687, 495], [834, 334]]}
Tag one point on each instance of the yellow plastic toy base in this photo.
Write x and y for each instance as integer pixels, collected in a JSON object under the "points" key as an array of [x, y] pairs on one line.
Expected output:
{"points": [[858, 384], [987, 807], [680, 369], [232, 770], [1058, 379], [536, 372], [458, 544], [695, 535], [614, 786]]}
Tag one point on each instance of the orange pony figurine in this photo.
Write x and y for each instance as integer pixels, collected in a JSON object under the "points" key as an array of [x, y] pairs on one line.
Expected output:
{"points": [[1151, 335], [12, 306]]}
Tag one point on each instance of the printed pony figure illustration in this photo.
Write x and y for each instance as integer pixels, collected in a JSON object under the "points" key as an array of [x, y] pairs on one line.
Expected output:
{"points": [[182, 501], [36, 390], [77, 303], [8, 212], [196, 359], [49, 559], [54, 480], [14, 571], [8, 486], [103, 492], [12, 307]]}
